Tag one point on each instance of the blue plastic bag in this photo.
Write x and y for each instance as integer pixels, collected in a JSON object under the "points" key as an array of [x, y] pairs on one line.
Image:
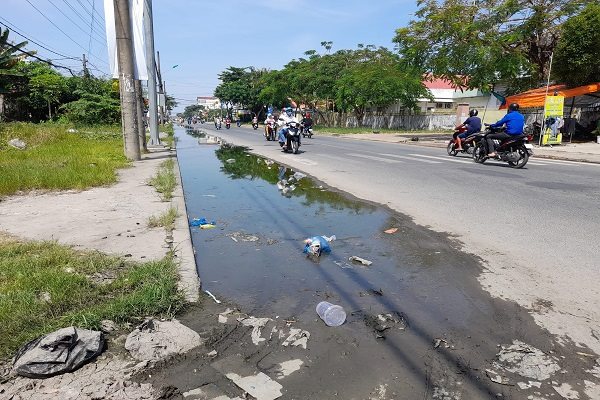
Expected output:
{"points": [[317, 245]]}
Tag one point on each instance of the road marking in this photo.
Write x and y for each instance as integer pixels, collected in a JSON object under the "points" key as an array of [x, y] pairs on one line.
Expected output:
{"points": [[387, 160], [410, 158], [443, 158]]}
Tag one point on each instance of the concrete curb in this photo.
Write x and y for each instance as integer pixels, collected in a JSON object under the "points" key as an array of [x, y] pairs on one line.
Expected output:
{"points": [[189, 281]]}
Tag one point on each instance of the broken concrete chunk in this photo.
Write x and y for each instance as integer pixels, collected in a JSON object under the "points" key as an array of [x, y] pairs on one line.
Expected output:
{"points": [[157, 340]]}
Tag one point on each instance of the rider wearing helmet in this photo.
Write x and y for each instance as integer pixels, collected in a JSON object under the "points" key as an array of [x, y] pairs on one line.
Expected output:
{"points": [[286, 116], [473, 125], [515, 123]]}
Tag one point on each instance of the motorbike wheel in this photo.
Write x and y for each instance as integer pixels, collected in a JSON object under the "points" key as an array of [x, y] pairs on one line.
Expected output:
{"points": [[479, 154], [524, 157], [294, 147], [451, 149]]}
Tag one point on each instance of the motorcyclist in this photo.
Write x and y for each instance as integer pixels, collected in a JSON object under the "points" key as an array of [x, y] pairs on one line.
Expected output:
{"points": [[306, 122], [515, 123], [217, 122], [254, 120], [286, 117], [473, 125]]}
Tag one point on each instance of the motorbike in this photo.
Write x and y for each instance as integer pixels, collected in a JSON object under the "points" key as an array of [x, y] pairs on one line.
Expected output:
{"points": [[293, 137], [306, 131], [270, 131], [254, 125], [227, 124], [467, 144], [218, 125], [513, 150]]}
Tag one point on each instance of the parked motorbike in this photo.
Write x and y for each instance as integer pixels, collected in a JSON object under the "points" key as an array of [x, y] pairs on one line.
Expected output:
{"points": [[514, 150], [293, 137], [306, 131], [467, 144], [270, 131]]}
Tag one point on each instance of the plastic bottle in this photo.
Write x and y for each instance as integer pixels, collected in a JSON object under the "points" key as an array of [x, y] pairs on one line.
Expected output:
{"points": [[332, 314]]}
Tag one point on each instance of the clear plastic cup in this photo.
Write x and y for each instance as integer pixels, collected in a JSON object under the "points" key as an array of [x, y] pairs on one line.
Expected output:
{"points": [[331, 314]]}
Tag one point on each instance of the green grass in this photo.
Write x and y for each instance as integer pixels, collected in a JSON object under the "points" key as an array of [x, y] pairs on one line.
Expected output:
{"points": [[56, 159], [165, 220], [30, 271], [164, 181], [170, 131], [366, 129]]}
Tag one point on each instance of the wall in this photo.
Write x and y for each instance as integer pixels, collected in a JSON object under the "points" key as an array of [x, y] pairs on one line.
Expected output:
{"points": [[392, 121]]}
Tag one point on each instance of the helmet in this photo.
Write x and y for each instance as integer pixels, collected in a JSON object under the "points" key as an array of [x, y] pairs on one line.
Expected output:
{"points": [[473, 113], [513, 107], [288, 111]]}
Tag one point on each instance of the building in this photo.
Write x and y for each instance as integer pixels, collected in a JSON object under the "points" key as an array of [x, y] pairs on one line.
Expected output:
{"points": [[209, 102]]}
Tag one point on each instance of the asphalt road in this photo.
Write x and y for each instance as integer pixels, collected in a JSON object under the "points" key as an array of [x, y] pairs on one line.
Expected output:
{"points": [[536, 229]]}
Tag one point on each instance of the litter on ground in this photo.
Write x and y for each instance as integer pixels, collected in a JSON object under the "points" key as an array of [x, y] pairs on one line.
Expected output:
{"points": [[318, 244], [360, 260]]}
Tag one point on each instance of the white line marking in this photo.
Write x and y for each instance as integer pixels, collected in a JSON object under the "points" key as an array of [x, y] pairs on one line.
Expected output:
{"points": [[387, 160], [410, 158], [444, 158]]}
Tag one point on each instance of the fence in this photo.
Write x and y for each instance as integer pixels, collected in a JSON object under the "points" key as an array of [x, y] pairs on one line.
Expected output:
{"points": [[390, 121]]}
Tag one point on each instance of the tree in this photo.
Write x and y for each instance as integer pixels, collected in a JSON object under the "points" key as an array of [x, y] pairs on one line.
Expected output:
{"points": [[377, 79], [171, 103], [478, 43], [192, 110], [48, 86], [8, 51], [92, 109], [578, 50], [241, 86]]}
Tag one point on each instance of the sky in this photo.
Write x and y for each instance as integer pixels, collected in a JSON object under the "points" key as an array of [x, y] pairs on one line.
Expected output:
{"points": [[198, 39]]}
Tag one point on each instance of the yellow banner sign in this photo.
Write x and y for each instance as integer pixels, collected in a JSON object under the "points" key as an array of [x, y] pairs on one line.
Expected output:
{"points": [[553, 120], [554, 106]]}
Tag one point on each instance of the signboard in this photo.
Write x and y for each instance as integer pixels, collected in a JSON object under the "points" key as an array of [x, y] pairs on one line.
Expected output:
{"points": [[553, 120]]}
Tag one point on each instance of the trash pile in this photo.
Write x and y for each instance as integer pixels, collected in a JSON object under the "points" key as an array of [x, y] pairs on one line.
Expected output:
{"points": [[318, 244], [287, 185], [203, 223]]}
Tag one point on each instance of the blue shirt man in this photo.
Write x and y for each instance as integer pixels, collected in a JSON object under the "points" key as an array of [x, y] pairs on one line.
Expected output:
{"points": [[515, 122]]}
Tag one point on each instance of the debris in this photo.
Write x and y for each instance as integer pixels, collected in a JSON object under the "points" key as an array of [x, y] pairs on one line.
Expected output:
{"points": [[17, 144], [201, 222], [438, 341], [230, 160], [58, 352], [288, 367], [497, 378], [157, 340], [223, 316], [212, 297], [391, 230], [527, 361], [244, 237], [256, 324], [566, 392], [523, 385], [207, 226], [71, 130], [317, 245], [331, 314], [257, 384], [45, 297], [212, 353], [281, 185], [343, 265], [234, 239], [360, 260], [269, 162], [297, 337], [299, 175], [383, 322], [107, 326], [209, 195]]}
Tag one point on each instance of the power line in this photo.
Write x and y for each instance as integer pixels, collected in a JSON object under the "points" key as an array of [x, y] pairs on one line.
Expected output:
{"points": [[91, 30], [92, 12], [12, 27], [100, 16], [30, 54], [73, 22], [81, 16], [63, 32]]}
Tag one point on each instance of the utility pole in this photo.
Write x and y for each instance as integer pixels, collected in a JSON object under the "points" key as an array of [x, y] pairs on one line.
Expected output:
{"points": [[86, 71], [140, 115], [151, 64], [129, 119], [160, 88]]}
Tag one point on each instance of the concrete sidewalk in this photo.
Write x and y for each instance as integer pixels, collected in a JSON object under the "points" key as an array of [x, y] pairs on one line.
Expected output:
{"points": [[583, 152]]}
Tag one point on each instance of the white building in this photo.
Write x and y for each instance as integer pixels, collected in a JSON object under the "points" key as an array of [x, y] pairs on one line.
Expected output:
{"points": [[209, 102]]}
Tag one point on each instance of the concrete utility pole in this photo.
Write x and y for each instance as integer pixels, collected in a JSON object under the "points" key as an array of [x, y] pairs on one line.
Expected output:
{"points": [[140, 115], [151, 64], [86, 71], [160, 88], [129, 119]]}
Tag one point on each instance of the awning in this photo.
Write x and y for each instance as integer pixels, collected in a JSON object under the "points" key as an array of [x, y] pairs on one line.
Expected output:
{"points": [[535, 98]]}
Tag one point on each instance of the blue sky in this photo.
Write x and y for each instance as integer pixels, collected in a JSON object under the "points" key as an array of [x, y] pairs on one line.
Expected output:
{"points": [[204, 37]]}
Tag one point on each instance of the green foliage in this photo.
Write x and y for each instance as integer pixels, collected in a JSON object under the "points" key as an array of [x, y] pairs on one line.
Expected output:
{"points": [[9, 56], [476, 44], [165, 181], [578, 50], [92, 109], [45, 286], [165, 220], [241, 86], [192, 110]]}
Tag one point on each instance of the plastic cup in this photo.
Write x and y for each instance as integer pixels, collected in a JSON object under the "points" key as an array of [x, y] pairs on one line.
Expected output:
{"points": [[331, 314]]}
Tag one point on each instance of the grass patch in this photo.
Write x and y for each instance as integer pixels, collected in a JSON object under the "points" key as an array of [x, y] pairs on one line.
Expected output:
{"points": [[366, 129], [45, 286], [164, 181], [170, 131], [56, 159], [165, 220]]}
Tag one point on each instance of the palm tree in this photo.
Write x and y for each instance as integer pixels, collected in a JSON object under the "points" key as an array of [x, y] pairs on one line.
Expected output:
{"points": [[8, 59]]}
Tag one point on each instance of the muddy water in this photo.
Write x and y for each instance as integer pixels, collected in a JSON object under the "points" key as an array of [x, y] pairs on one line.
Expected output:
{"points": [[444, 331]]}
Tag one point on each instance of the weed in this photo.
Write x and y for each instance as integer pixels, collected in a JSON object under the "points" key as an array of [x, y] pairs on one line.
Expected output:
{"points": [[165, 220], [164, 181]]}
